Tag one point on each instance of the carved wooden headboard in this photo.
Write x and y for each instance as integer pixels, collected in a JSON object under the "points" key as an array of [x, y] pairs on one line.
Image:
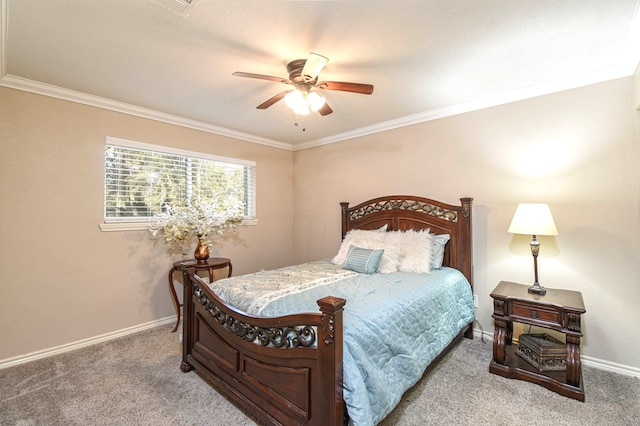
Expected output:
{"points": [[403, 212]]}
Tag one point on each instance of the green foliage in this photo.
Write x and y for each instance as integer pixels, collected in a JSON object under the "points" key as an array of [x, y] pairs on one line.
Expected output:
{"points": [[141, 183]]}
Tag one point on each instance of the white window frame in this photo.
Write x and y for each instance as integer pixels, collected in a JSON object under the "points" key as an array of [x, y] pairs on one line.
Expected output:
{"points": [[128, 224]]}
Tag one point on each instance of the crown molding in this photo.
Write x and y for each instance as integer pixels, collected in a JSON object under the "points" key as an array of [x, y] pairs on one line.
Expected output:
{"points": [[31, 86], [18, 83], [594, 77], [631, 59], [586, 79]]}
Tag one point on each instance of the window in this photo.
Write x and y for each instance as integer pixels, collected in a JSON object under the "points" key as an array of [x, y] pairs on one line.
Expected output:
{"points": [[141, 179]]}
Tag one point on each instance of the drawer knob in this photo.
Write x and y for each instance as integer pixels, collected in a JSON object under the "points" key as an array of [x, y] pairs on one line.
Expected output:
{"points": [[534, 314]]}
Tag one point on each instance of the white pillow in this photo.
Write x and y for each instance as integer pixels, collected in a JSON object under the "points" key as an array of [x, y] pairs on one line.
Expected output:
{"points": [[356, 237], [408, 251], [415, 249], [374, 240], [390, 242]]}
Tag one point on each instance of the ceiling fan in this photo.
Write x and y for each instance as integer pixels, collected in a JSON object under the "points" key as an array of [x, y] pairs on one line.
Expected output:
{"points": [[303, 98]]}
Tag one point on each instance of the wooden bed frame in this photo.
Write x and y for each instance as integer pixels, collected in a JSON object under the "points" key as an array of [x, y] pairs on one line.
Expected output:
{"points": [[288, 370]]}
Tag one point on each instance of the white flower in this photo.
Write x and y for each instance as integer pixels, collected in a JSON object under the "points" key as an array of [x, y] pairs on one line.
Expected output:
{"points": [[199, 218]]}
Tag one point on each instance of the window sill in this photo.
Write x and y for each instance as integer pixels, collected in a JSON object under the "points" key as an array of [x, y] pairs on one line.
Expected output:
{"points": [[143, 226]]}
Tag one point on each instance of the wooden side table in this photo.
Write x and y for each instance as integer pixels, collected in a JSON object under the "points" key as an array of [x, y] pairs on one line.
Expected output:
{"points": [[558, 310], [210, 265]]}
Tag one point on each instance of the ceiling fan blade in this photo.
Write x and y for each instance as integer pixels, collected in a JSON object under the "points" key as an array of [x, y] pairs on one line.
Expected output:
{"points": [[272, 100], [325, 110], [312, 67], [260, 77], [365, 89]]}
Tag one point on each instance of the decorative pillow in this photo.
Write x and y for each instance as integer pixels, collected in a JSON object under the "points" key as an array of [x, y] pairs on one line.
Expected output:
{"points": [[358, 238], [362, 260], [437, 251], [374, 240], [416, 248], [391, 243]]}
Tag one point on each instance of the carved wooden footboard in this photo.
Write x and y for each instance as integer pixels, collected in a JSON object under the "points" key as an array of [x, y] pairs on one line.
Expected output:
{"points": [[285, 370]]}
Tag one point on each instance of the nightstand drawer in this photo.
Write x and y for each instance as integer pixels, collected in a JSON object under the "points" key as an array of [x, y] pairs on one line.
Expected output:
{"points": [[536, 313]]}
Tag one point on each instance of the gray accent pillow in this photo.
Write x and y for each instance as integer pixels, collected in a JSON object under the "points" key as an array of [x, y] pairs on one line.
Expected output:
{"points": [[437, 251]]}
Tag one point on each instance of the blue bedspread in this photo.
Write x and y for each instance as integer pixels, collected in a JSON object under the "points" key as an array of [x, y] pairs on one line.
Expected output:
{"points": [[394, 326]]}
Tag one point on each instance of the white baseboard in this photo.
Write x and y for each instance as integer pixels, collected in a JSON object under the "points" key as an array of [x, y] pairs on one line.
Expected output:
{"points": [[488, 338], [10, 362], [610, 366], [586, 360]]}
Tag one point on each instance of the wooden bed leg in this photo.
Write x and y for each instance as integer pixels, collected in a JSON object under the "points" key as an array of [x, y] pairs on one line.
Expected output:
{"points": [[469, 332], [187, 315]]}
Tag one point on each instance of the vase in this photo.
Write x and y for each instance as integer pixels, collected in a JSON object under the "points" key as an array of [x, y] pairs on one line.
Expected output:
{"points": [[202, 250]]}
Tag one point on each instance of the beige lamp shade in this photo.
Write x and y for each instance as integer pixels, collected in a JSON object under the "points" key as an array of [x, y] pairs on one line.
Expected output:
{"points": [[533, 219]]}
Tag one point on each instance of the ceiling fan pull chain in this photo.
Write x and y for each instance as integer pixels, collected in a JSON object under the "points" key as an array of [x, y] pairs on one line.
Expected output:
{"points": [[296, 124]]}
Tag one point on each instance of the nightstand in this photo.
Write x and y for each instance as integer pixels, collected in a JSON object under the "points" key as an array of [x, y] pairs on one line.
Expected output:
{"points": [[558, 310], [210, 265]]}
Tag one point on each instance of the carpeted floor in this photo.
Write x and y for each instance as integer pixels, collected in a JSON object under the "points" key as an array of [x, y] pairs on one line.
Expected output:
{"points": [[137, 381]]}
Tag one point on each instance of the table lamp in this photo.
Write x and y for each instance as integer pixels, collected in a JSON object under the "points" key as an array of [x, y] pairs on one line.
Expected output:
{"points": [[533, 219]]}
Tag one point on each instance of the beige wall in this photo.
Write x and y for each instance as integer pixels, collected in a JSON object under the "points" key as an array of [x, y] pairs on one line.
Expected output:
{"points": [[636, 85], [577, 150], [61, 278]]}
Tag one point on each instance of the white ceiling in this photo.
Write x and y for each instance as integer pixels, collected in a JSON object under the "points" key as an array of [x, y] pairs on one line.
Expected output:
{"points": [[426, 58]]}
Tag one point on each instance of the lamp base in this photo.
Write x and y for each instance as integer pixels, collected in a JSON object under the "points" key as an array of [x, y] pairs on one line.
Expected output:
{"points": [[537, 288]]}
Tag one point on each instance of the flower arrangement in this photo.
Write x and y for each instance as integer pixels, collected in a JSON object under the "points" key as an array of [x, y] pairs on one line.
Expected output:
{"points": [[199, 218]]}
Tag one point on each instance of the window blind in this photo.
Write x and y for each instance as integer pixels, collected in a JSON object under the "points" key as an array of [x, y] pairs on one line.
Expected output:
{"points": [[142, 179]]}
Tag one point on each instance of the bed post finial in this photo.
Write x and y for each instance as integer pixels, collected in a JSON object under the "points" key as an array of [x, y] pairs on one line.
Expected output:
{"points": [[345, 208], [466, 206]]}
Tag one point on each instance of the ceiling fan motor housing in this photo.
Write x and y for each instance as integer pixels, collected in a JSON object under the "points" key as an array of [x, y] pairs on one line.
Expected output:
{"points": [[294, 68]]}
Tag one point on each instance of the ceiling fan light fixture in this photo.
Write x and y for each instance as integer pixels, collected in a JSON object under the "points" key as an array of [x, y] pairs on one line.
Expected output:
{"points": [[302, 103], [315, 101], [302, 110], [294, 99]]}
